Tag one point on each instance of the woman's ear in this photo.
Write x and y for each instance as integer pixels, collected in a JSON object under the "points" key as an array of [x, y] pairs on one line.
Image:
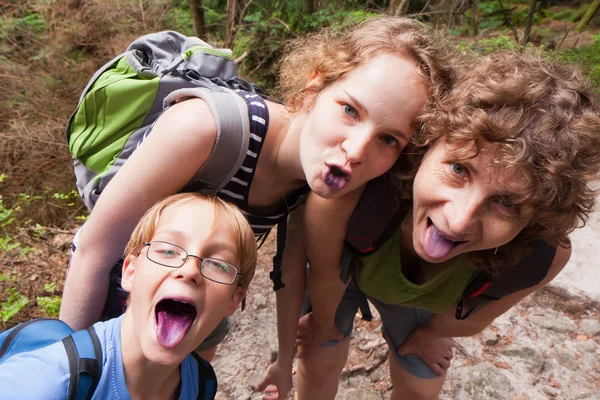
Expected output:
{"points": [[235, 301], [128, 272]]}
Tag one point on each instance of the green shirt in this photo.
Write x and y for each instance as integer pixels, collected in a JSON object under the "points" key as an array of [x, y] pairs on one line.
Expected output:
{"points": [[380, 276]]}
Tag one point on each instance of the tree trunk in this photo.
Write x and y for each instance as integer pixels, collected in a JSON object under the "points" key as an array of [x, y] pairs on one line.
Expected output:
{"points": [[198, 17], [529, 21], [234, 8], [396, 7], [589, 14], [312, 6], [475, 18]]}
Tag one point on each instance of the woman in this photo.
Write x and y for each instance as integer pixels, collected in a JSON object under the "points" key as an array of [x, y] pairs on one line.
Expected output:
{"points": [[502, 168], [352, 101]]}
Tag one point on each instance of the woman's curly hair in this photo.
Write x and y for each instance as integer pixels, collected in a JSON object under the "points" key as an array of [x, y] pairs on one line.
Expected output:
{"points": [[542, 119]]}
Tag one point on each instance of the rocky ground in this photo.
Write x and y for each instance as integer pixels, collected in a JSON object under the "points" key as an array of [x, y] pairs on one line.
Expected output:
{"points": [[546, 347]]}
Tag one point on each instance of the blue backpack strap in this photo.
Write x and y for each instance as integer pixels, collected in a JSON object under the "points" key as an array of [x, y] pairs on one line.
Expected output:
{"points": [[207, 380], [85, 363]]}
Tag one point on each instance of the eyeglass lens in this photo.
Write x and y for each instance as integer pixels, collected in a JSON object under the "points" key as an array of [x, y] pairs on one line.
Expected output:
{"points": [[173, 256]]}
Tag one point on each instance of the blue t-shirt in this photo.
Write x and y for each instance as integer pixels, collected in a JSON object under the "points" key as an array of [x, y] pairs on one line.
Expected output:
{"points": [[43, 374]]}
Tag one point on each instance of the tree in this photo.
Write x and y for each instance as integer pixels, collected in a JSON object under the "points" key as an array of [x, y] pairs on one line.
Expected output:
{"points": [[234, 15], [198, 17], [585, 20], [529, 21]]}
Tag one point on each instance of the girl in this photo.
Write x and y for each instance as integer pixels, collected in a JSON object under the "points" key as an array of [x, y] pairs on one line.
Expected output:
{"points": [[352, 102]]}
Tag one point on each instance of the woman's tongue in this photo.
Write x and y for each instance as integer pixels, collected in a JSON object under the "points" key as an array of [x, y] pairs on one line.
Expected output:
{"points": [[171, 327], [435, 245]]}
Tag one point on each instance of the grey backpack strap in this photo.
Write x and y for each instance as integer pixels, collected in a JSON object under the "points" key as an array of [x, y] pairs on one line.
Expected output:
{"points": [[233, 134]]}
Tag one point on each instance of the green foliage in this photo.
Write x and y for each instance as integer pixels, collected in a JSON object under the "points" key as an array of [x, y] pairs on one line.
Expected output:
{"points": [[14, 300], [268, 25], [49, 305], [497, 43], [588, 58], [31, 21]]}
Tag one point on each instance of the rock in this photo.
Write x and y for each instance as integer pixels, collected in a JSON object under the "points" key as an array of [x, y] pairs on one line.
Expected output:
{"points": [[590, 326], [259, 301], [249, 365], [587, 346], [490, 337], [376, 375], [567, 359], [488, 382], [253, 378], [359, 394], [530, 354], [550, 391], [221, 396], [555, 322]]}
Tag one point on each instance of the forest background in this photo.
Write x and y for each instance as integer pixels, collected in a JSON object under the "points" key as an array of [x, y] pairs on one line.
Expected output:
{"points": [[50, 48]]}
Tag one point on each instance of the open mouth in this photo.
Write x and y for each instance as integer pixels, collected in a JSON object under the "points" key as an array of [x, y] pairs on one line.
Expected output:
{"points": [[335, 177], [173, 319], [436, 244]]}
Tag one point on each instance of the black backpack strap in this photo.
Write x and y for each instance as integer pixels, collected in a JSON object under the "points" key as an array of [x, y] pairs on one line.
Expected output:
{"points": [[276, 274], [527, 273], [376, 217], [85, 363], [207, 379]]}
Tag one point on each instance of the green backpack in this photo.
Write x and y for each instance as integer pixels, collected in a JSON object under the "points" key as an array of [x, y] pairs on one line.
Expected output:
{"points": [[126, 96]]}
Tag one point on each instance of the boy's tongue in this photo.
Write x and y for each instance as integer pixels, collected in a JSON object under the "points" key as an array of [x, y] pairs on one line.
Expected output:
{"points": [[171, 328], [435, 245]]}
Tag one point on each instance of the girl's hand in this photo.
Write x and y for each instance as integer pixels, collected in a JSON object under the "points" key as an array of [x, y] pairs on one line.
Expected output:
{"points": [[277, 382], [434, 350]]}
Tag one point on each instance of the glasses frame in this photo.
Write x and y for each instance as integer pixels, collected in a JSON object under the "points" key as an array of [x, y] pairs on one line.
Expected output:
{"points": [[188, 255]]}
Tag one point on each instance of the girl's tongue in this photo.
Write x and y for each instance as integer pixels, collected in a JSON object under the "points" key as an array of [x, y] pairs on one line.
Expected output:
{"points": [[435, 245], [334, 179]]}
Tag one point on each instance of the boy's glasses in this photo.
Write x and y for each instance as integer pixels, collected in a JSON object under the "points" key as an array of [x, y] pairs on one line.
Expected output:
{"points": [[173, 256]]}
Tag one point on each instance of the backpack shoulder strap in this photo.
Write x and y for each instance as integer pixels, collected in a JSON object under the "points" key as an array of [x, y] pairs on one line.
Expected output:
{"points": [[85, 363], [527, 273], [231, 144], [377, 216], [207, 379]]}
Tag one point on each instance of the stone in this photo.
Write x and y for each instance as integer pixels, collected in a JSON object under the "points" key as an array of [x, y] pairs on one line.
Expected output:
{"points": [[530, 354], [567, 359], [554, 321], [253, 378], [587, 346], [359, 394], [590, 326], [490, 337], [221, 396], [485, 381], [376, 375], [259, 301], [550, 391], [249, 365]]}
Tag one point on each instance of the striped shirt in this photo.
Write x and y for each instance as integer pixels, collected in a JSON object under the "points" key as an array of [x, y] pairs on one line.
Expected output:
{"points": [[237, 190]]}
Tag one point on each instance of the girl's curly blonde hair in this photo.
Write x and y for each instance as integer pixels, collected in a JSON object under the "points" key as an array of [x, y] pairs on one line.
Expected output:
{"points": [[333, 53], [542, 119]]}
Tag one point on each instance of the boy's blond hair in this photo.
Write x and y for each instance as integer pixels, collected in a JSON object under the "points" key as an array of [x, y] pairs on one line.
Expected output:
{"points": [[223, 212]]}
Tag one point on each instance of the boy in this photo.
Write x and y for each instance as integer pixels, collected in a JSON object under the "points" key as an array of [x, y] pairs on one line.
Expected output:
{"points": [[188, 264]]}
